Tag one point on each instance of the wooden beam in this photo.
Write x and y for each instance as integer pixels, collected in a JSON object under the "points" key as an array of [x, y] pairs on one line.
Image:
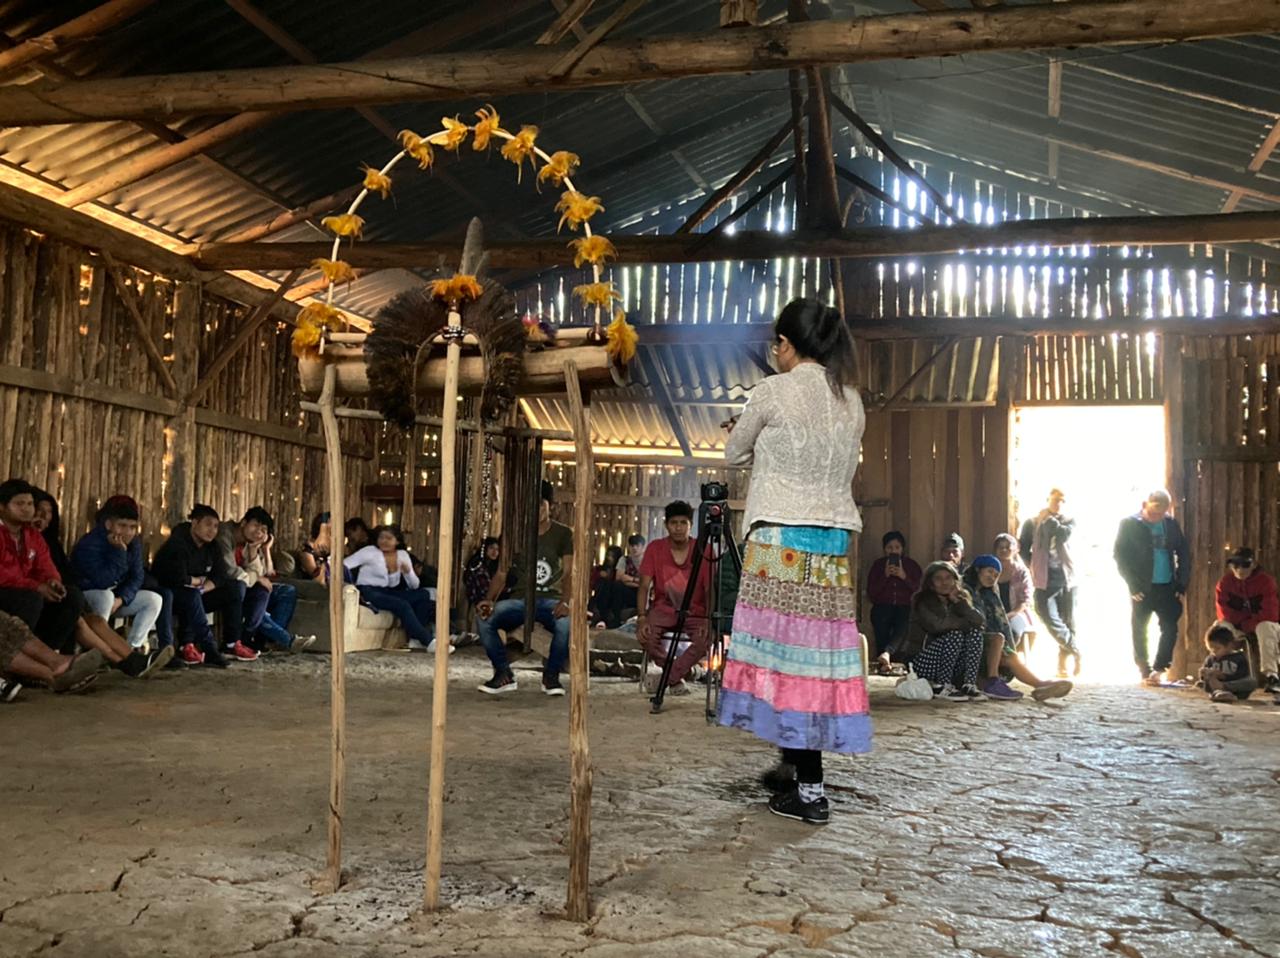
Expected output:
{"points": [[299, 214], [662, 397], [1164, 76], [593, 39], [56, 41], [739, 13], [923, 368], [130, 301], [492, 73], [566, 21], [1268, 146], [862, 242], [887, 199], [738, 180], [760, 195]]}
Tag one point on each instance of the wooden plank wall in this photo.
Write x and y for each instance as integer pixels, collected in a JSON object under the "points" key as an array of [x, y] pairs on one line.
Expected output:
{"points": [[61, 317]]}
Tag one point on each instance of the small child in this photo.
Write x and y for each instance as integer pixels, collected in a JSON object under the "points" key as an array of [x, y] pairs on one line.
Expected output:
{"points": [[1225, 673]]}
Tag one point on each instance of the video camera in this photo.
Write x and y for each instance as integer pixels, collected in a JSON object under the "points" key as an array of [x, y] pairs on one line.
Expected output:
{"points": [[715, 492]]}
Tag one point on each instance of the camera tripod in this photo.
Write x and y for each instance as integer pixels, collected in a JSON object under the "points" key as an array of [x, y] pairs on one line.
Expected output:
{"points": [[712, 544]]}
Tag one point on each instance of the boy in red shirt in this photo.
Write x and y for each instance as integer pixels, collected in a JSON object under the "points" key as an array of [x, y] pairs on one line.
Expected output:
{"points": [[30, 586], [664, 577], [1247, 602]]}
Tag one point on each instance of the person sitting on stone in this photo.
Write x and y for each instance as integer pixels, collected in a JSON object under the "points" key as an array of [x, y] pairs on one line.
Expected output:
{"points": [[1014, 585], [953, 551], [313, 557], [665, 571], [23, 657], [387, 583], [107, 562], [248, 550], [550, 568], [191, 565], [1247, 603], [1225, 674], [945, 636], [1002, 660], [893, 579]]}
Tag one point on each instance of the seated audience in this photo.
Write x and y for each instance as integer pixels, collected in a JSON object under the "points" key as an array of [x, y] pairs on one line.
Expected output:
{"points": [[982, 578], [480, 569], [107, 562], [953, 551], [549, 568], [384, 575], [1014, 584], [358, 535], [48, 522], [247, 549], [1225, 674], [191, 565], [25, 657], [607, 598], [664, 581], [894, 578], [30, 585], [313, 557], [1247, 603], [629, 575], [945, 637]]}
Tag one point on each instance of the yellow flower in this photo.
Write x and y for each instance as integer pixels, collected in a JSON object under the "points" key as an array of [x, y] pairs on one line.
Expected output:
{"points": [[596, 294], [486, 123], [592, 249], [562, 164], [520, 148], [575, 208], [376, 182], [455, 131], [458, 288], [321, 314], [344, 224], [334, 270], [418, 148], [305, 340], [621, 339]]}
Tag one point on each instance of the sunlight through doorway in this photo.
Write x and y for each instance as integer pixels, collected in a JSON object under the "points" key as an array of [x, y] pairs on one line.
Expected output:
{"points": [[1106, 459]]}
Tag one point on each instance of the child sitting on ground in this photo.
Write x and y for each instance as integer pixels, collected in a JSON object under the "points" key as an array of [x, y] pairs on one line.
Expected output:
{"points": [[1226, 674]]}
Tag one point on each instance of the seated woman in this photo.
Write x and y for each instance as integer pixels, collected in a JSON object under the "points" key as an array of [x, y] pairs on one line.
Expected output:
{"points": [[982, 578], [383, 573], [23, 656], [48, 522], [313, 557], [664, 579], [944, 641], [1014, 585]]}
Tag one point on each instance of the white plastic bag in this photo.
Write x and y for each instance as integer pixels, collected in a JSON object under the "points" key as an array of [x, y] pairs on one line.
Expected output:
{"points": [[912, 687]]}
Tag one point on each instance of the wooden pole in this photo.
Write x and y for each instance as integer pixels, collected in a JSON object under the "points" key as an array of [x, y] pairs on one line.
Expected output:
{"points": [[738, 180], [494, 73], [920, 371], [89, 24], [444, 602], [130, 301], [299, 214], [412, 441], [578, 903], [337, 647]]}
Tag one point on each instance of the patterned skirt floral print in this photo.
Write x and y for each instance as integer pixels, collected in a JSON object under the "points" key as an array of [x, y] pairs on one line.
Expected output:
{"points": [[794, 671]]}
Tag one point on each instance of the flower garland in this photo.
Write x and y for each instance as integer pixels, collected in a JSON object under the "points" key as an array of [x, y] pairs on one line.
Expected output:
{"points": [[576, 211]]}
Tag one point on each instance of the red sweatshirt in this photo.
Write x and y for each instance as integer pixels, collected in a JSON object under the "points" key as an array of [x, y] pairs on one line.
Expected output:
{"points": [[25, 566], [1246, 602]]}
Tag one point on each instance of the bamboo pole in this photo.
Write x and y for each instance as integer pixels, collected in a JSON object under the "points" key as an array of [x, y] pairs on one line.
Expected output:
{"points": [[131, 310], [337, 650], [444, 602], [578, 903], [412, 441]]}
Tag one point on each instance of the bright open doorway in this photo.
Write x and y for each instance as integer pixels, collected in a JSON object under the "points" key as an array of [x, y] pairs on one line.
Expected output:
{"points": [[1106, 459]]}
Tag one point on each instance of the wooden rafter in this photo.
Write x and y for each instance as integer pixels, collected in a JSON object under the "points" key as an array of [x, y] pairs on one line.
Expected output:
{"points": [[291, 217], [1260, 157], [759, 196], [662, 396], [738, 180], [593, 39], [89, 24], [130, 300], [923, 368], [570, 16], [778, 47]]}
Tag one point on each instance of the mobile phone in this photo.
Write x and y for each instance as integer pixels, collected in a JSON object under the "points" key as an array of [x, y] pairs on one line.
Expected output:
{"points": [[895, 560]]}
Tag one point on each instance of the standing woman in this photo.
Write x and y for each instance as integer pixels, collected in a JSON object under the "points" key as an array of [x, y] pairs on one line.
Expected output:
{"points": [[794, 673]]}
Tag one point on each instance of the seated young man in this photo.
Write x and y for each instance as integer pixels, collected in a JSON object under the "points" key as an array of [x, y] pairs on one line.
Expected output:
{"points": [[190, 564], [107, 562], [628, 575], [891, 582], [664, 578], [549, 569], [1247, 603], [247, 551], [30, 585]]}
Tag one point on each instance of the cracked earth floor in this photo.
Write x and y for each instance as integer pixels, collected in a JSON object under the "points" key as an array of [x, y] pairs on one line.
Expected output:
{"points": [[184, 817]]}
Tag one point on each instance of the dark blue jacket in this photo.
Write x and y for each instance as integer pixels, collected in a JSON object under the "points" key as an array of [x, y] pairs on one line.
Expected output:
{"points": [[100, 565]]}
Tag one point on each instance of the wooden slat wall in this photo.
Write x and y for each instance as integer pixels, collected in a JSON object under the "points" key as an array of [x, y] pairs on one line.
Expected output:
{"points": [[1107, 369], [61, 314]]}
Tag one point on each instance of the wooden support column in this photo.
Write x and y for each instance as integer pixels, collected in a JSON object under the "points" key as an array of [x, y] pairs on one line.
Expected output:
{"points": [[130, 300], [797, 146], [412, 442], [180, 429], [1176, 474], [337, 646], [578, 903]]}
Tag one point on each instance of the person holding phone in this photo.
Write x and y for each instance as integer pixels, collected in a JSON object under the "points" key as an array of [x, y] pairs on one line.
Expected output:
{"points": [[894, 578]]}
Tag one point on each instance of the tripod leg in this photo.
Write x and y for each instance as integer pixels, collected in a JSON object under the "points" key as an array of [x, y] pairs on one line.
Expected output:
{"points": [[682, 618]]}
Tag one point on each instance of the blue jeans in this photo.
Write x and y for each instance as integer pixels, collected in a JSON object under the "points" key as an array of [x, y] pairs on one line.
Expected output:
{"points": [[415, 608], [509, 614], [190, 607], [263, 611]]}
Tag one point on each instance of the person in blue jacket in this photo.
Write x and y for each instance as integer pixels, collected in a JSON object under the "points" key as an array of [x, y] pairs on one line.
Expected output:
{"points": [[107, 563]]}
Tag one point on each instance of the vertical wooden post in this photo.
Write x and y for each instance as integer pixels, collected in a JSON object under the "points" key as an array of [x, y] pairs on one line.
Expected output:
{"points": [[412, 442], [180, 486], [337, 646], [1175, 463], [444, 602], [578, 904]]}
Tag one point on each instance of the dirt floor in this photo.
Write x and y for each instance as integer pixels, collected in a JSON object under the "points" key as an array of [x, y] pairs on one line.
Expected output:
{"points": [[184, 816]]}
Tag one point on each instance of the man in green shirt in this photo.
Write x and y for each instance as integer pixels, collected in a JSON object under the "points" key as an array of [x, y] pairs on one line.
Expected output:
{"points": [[551, 568]]}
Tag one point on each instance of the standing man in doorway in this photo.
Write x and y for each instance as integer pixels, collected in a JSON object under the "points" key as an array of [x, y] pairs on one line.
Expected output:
{"points": [[1043, 544], [1151, 554]]}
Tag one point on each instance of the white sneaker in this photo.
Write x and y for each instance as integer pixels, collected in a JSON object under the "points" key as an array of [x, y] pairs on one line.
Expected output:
{"points": [[301, 643], [431, 647], [951, 694], [416, 646]]}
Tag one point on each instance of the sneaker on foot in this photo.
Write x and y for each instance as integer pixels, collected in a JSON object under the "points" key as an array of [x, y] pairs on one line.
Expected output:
{"points": [[973, 693], [134, 664], [214, 659], [177, 663], [551, 685], [243, 652], [301, 643], [1270, 682], [1222, 695], [499, 684], [1052, 690], [9, 690], [431, 647], [950, 693], [82, 672], [790, 805], [996, 688], [1154, 679], [157, 660], [416, 646], [680, 688], [191, 655]]}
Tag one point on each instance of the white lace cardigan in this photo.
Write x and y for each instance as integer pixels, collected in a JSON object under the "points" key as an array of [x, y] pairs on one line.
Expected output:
{"points": [[803, 443]]}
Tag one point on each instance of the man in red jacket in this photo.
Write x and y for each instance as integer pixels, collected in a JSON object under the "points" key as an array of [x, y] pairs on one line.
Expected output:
{"points": [[1247, 602], [30, 586]]}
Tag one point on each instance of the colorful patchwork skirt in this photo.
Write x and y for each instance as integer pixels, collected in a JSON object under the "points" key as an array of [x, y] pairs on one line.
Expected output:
{"points": [[794, 672]]}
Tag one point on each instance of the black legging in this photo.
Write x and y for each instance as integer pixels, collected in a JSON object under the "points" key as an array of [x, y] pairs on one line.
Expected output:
{"points": [[807, 762]]}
